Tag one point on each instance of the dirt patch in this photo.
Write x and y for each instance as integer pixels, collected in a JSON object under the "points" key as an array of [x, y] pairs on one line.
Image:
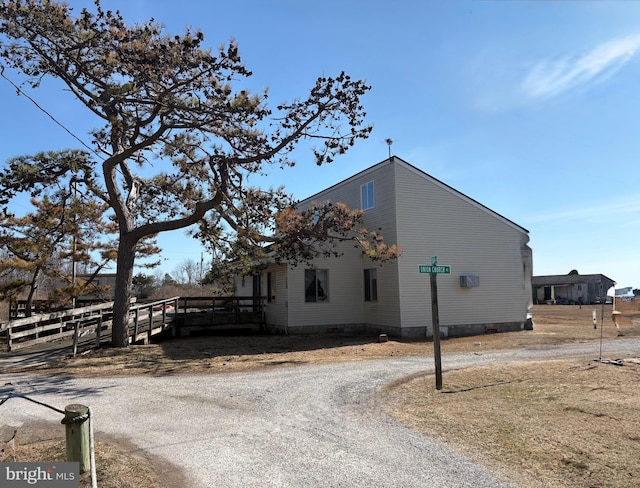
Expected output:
{"points": [[219, 354]]}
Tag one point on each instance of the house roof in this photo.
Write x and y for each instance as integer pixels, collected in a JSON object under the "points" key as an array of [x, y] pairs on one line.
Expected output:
{"points": [[568, 279], [418, 171]]}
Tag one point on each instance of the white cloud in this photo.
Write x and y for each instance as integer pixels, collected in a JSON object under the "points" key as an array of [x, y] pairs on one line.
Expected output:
{"points": [[549, 78], [623, 208]]}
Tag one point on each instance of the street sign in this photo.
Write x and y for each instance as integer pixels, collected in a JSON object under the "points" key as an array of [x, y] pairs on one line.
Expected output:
{"points": [[434, 270], [423, 268]]}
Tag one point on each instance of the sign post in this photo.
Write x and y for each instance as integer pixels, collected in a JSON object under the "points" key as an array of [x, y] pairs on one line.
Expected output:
{"points": [[436, 329], [434, 270]]}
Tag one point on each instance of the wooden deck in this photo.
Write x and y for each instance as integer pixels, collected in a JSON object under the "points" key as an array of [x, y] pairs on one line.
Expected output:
{"points": [[176, 315]]}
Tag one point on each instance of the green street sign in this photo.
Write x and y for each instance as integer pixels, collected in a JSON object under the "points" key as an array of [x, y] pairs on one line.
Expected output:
{"points": [[423, 268]]}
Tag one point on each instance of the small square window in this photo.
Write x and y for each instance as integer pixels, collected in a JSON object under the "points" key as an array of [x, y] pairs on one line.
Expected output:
{"points": [[367, 195], [316, 285]]}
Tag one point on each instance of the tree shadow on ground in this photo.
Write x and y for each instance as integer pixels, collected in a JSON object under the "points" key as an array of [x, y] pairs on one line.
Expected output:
{"points": [[33, 388], [236, 343]]}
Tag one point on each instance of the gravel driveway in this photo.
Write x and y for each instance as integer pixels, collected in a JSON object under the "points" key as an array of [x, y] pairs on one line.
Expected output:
{"points": [[299, 426]]}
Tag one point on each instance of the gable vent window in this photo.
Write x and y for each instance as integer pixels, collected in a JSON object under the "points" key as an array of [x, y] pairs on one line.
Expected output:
{"points": [[366, 192]]}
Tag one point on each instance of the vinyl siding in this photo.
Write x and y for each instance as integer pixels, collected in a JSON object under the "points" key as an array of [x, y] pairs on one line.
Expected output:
{"points": [[425, 218], [243, 286], [276, 309], [386, 310], [345, 291], [435, 221]]}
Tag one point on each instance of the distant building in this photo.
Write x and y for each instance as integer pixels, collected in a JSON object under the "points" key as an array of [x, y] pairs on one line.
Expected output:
{"points": [[98, 287], [104, 283], [570, 289]]}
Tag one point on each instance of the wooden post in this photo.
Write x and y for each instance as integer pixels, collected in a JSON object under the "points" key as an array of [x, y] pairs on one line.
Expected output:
{"points": [[76, 337], [135, 324], [77, 435], [436, 329], [99, 330], [150, 324], [9, 339]]}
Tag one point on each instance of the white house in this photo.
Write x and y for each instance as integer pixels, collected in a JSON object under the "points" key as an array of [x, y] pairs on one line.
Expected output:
{"points": [[489, 287]]}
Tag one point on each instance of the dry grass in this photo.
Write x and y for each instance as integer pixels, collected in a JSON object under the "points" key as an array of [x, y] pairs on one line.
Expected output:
{"points": [[220, 354], [572, 423], [217, 354], [553, 423], [119, 464]]}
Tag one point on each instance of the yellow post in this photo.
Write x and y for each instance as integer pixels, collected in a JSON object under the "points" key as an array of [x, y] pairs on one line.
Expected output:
{"points": [[77, 434]]}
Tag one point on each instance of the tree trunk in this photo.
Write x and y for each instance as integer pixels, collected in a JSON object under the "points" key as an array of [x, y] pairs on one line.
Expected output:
{"points": [[122, 297], [28, 306]]}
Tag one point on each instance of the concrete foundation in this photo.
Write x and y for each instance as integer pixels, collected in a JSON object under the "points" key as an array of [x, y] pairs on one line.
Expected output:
{"points": [[462, 330]]}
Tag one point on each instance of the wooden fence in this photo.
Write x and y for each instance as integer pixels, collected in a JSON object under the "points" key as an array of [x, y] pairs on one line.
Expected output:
{"points": [[218, 311], [145, 320], [18, 308]]}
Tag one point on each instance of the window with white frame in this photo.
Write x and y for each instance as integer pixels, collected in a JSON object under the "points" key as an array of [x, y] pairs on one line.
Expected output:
{"points": [[367, 194], [316, 285], [371, 285]]}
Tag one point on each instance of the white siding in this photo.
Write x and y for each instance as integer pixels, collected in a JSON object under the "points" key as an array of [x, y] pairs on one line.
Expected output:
{"points": [[344, 305], [276, 309], [435, 221], [425, 218], [243, 286], [386, 311]]}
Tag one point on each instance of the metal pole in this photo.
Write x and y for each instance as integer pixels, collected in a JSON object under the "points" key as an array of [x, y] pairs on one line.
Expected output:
{"points": [[601, 321], [436, 329]]}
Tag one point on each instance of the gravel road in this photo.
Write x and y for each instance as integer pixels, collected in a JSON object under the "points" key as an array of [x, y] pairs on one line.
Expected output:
{"points": [[299, 426]]}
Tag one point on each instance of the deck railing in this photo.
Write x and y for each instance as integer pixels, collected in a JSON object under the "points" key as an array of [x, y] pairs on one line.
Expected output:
{"points": [[79, 322], [213, 311]]}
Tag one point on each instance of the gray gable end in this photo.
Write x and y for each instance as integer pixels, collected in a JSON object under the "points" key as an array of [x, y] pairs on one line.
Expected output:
{"points": [[396, 160]]}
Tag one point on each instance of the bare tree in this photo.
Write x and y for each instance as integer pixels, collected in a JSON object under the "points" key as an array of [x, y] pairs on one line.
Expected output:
{"points": [[187, 272]]}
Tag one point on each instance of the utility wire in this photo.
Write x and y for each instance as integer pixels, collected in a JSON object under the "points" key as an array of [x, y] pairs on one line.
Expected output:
{"points": [[21, 92]]}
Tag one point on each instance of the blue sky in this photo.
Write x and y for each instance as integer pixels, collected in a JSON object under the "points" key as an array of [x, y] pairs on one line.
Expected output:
{"points": [[531, 108]]}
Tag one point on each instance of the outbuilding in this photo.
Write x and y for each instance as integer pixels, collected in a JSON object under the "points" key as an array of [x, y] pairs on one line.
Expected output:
{"points": [[571, 289]]}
